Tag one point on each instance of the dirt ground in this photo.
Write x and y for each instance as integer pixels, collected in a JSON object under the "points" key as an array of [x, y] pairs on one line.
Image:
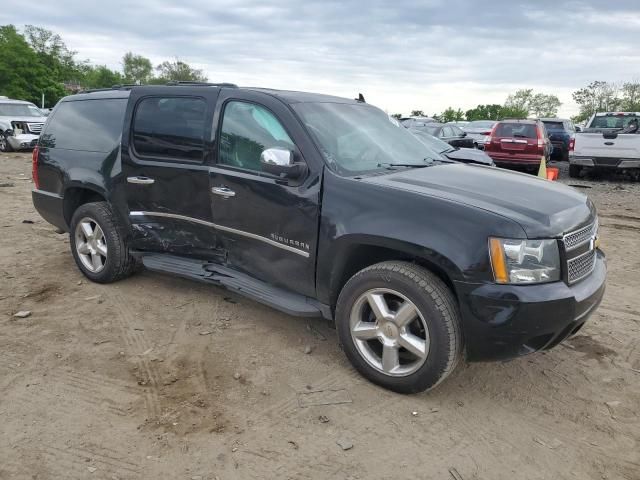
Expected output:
{"points": [[160, 378]]}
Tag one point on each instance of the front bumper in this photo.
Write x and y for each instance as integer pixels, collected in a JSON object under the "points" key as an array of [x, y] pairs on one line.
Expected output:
{"points": [[22, 141], [604, 162], [506, 321]]}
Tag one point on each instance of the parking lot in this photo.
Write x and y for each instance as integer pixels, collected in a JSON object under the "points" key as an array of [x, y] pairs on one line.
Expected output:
{"points": [[158, 377]]}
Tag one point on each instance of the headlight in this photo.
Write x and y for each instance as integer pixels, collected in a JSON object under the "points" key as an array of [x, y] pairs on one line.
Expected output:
{"points": [[524, 261]]}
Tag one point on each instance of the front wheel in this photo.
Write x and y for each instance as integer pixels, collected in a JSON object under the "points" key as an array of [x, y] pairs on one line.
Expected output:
{"points": [[399, 326], [5, 146], [98, 245]]}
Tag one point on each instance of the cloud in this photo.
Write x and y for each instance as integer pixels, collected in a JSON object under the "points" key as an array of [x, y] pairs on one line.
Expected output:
{"points": [[402, 55]]}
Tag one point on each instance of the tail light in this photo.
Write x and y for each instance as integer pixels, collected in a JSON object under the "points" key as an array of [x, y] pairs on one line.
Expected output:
{"points": [[540, 141], [34, 167], [572, 144], [489, 139]]}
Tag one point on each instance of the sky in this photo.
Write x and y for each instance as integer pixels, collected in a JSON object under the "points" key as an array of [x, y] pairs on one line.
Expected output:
{"points": [[402, 55]]}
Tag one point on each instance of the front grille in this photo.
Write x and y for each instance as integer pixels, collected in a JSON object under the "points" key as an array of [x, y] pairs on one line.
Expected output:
{"points": [[581, 266], [575, 239], [580, 250], [35, 127]]}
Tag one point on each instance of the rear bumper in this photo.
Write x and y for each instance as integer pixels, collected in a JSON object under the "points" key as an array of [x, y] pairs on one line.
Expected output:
{"points": [[25, 140], [502, 159], [604, 162], [506, 321], [50, 206]]}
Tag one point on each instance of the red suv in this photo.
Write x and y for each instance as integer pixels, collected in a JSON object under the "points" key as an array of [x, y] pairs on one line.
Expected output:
{"points": [[519, 143]]}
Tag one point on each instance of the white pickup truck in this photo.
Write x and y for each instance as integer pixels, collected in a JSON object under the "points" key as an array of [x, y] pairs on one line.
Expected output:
{"points": [[611, 140]]}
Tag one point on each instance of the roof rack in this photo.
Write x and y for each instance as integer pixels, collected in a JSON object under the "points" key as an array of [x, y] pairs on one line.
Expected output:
{"points": [[126, 86], [201, 84]]}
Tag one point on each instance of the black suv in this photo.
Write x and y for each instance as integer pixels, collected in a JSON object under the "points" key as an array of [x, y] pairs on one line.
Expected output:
{"points": [[322, 206]]}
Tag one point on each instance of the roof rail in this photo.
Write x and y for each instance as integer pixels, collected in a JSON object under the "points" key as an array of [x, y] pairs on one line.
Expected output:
{"points": [[201, 84], [106, 89]]}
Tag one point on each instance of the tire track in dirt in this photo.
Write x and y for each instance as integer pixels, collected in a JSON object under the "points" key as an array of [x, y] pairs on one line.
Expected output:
{"points": [[138, 347], [75, 462]]}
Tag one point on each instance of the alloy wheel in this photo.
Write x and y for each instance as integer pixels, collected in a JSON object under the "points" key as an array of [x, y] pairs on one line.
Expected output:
{"points": [[91, 245], [389, 332]]}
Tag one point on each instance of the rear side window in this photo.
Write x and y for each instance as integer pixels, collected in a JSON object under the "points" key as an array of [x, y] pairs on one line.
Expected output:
{"points": [[554, 125], [518, 130], [613, 121], [171, 127], [87, 125]]}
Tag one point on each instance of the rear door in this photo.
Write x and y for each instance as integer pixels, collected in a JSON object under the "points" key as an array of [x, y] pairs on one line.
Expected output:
{"points": [[268, 226], [165, 171]]}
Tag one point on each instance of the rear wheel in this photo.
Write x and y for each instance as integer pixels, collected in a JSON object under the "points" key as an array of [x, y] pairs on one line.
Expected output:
{"points": [[399, 326], [98, 245], [574, 171]]}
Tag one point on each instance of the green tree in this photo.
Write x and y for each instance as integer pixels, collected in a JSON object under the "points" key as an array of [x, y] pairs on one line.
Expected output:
{"points": [[518, 104], [136, 68], [178, 71], [630, 101], [23, 74], [417, 113], [543, 105], [451, 115], [485, 112], [397, 116], [598, 96], [101, 77]]}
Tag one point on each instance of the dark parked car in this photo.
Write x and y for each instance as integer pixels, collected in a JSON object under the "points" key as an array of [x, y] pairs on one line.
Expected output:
{"points": [[519, 144], [464, 155], [321, 206], [479, 131], [560, 132], [451, 134]]}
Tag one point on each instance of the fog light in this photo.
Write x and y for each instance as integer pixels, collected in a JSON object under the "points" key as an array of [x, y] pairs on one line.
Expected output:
{"points": [[24, 144]]}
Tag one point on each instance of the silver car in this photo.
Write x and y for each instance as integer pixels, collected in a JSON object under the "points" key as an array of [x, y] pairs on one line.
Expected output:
{"points": [[20, 124], [479, 130]]}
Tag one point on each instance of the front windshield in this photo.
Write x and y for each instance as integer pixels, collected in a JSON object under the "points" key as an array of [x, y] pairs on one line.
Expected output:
{"points": [[19, 110], [431, 141], [359, 138]]}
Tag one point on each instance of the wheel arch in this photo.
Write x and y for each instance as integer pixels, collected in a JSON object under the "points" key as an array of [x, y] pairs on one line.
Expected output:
{"points": [[77, 195], [363, 251]]}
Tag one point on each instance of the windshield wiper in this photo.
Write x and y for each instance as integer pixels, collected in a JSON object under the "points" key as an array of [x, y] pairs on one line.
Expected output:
{"points": [[409, 165]]}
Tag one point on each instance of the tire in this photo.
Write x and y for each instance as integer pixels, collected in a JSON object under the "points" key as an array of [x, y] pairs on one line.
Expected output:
{"points": [[574, 171], [435, 327], [107, 238], [5, 146]]}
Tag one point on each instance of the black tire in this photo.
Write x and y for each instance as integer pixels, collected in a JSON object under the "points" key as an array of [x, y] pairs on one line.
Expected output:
{"points": [[119, 262], [5, 147], [574, 171], [437, 306]]}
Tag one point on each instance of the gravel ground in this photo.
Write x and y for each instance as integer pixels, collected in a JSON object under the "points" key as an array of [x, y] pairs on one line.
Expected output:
{"points": [[156, 377]]}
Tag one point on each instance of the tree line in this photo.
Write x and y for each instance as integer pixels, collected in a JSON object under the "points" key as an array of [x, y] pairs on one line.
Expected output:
{"points": [[36, 62], [598, 96]]}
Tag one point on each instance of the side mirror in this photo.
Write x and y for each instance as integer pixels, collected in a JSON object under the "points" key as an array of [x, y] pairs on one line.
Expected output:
{"points": [[463, 134], [281, 163], [578, 129]]}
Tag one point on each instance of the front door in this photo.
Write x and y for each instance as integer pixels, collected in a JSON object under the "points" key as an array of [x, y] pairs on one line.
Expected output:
{"points": [[166, 176], [268, 226]]}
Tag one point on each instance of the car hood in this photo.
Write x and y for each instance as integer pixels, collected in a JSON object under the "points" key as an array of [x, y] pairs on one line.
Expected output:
{"points": [[469, 155], [544, 209], [23, 119]]}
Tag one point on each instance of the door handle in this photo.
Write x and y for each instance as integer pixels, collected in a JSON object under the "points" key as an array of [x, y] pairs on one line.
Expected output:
{"points": [[223, 192], [140, 180]]}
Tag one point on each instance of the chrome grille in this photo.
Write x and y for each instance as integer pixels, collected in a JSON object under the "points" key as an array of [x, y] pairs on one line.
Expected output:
{"points": [[35, 127], [581, 266], [575, 239]]}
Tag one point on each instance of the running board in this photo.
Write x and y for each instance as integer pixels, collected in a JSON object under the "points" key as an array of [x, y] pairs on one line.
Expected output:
{"points": [[208, 272]]}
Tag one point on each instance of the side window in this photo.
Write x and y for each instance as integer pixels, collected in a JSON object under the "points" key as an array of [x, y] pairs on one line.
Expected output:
{"points": [[446, 132], [456, 131], [171, 127], [86, 125], [247, 130]]}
